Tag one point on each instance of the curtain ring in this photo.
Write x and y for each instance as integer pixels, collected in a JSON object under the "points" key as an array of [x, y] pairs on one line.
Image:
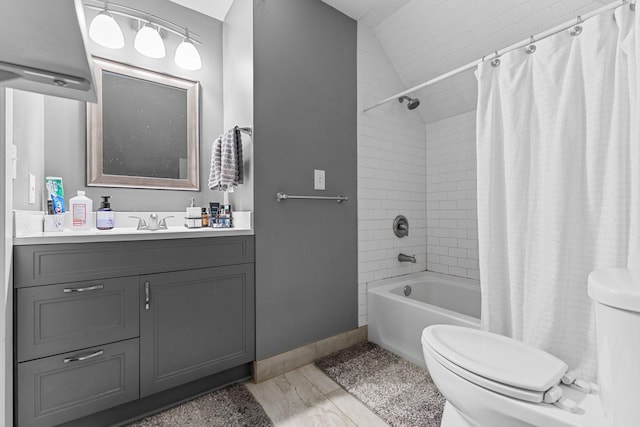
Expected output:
{"points": [[496, 60], [530, 47], [575, 31]]}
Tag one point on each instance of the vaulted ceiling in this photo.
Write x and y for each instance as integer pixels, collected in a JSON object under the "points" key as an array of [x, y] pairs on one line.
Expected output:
{"points": [[215, 8], [426, 38]]}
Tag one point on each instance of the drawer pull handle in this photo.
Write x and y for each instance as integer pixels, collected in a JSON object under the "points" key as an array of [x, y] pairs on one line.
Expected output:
{"points": [[82, 358], [147, 297], [88, 288]]}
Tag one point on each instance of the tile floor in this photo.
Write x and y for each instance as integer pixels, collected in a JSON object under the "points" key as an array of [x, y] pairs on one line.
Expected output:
{"points": [[307, 397]]}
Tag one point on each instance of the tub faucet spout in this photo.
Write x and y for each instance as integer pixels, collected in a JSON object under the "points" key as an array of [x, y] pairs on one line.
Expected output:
{"points": [[407, 258]]}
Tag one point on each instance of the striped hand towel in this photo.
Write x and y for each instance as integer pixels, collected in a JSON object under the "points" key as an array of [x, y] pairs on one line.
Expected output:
{"points": [[214, 173], [238, 136], [226, 161]]}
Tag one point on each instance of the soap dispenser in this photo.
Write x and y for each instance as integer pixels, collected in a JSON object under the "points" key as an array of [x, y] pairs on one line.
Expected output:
{"points": [[105, 217]]}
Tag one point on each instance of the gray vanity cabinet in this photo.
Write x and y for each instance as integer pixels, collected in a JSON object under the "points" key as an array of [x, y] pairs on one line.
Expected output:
{"points": [[99, 325], [195, 323]]}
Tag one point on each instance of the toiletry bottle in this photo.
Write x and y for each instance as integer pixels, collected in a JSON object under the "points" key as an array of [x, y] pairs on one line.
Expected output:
{"points": [[81, 212], [227, 222], [105, 217], [205, 218], [214, 207]]}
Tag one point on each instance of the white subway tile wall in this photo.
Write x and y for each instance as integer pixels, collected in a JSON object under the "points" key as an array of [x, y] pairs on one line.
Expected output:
{"points": [[429, 178], [391, 173], [452, 216]]}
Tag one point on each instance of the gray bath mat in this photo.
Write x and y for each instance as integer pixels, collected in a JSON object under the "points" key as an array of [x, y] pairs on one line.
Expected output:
{"points": [[231, 406], [400, 392]]}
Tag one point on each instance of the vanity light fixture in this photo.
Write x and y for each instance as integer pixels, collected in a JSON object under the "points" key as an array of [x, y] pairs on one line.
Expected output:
{"points": [[187, 55], [105, 31], [149, 43]]}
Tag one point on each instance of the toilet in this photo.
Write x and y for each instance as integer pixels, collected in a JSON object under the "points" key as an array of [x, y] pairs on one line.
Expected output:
{"points": [[490, 380]]}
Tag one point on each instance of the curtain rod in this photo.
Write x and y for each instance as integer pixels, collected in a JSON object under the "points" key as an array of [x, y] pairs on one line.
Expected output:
{"points": [[523, 43]]}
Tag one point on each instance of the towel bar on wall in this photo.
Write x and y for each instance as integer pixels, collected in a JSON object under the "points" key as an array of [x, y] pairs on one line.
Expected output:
{"points": [[283, 196], [246, 129]]}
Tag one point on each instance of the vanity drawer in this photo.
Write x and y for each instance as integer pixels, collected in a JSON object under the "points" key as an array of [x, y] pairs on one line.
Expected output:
{"points": [[60, 388], [71, 262], [60, 318]]}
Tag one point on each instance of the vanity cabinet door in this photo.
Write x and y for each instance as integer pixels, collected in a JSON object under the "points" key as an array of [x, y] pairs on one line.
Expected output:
{"points": [[194, 324]]}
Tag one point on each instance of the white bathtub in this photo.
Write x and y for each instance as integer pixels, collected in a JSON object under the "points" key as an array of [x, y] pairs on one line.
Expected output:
{"points": [[396, 321]]}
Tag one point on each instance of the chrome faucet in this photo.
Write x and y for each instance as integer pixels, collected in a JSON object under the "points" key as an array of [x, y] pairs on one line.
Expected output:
{"points": [[142, 224], [154, 224], [163, 222], [407, 258], [153, 221]]}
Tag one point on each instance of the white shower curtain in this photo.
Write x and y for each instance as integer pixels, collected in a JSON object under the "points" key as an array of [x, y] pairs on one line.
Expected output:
{"points": [[558, 182]]}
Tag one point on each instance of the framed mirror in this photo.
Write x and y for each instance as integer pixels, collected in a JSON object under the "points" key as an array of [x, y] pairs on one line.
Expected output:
{"points": [[144, 130]]}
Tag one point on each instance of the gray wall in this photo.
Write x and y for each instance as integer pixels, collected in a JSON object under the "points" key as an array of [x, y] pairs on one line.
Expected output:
{"points": [[28, 136], [305, 119], [65, 139], [238, 88]]}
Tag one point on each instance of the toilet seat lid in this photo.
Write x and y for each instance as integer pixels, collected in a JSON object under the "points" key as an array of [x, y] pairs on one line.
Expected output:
{"points": [[496, 357]]}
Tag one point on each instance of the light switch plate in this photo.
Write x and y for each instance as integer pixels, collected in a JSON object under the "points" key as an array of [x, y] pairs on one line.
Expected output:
{"points": [[318, 179], [32, 189]]}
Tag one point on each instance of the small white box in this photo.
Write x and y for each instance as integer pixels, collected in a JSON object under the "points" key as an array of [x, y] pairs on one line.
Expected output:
{"points": [[193, 222], [53, 222]]}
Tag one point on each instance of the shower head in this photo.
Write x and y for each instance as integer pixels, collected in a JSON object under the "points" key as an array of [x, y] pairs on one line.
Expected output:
{"points": [[412, 103]]}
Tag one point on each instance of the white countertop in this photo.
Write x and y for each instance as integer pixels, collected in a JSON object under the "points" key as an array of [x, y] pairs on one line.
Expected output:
{"points": [[28, 229]]}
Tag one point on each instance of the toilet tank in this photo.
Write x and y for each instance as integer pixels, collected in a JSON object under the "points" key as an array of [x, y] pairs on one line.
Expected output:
{"points": [[616, 296]]}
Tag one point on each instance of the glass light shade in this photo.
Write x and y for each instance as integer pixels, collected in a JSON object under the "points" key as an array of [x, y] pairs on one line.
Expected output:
{"points": [[148, 42], [105, 31], [187, 56]]}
